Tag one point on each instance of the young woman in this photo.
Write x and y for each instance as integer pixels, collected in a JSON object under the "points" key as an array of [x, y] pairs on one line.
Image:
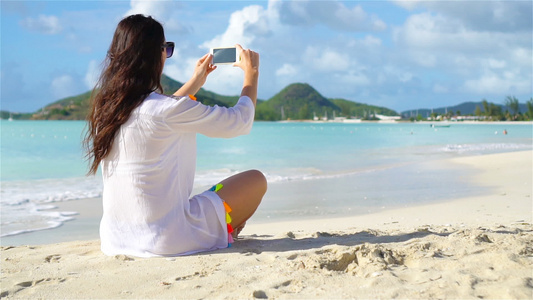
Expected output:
{"points": [[145, 144]]}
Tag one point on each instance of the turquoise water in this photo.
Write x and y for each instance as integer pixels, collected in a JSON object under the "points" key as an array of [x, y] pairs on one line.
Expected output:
{"points": [[312, 168]]}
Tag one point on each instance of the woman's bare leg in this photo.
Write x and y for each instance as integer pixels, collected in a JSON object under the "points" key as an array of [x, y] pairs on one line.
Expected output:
{"points": [[243, 192]]}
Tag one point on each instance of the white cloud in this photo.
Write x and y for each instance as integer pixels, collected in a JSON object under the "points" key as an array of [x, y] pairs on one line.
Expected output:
{"points": [[427, 31], [499, 83], [424, 59], [180, 69], [407, 4], [63, 86], [332, 14], [92, 75], [496, 16], [354, 78], [405, 77], [496, 64], [439, 32], [162, 11], [156, 9], [287, 70], [326, 59], [226, 80], [176, 73], [43, 24], [396, 74], [244, 27], [439, 89], [371, 41], [377, 24], [521, 56], [438, 41]]}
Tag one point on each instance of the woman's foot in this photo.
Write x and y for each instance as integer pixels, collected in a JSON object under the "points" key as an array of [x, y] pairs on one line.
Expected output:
{"points": [[237, 230]]}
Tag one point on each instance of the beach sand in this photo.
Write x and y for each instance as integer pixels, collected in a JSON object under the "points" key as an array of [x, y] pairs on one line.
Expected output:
{"points": [[476, 247]]}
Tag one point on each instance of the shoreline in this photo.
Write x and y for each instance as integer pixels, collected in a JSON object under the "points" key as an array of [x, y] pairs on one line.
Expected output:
{"points": [[85, 225], [347, 121], [474, 247], [359, 121], [507, 203]]}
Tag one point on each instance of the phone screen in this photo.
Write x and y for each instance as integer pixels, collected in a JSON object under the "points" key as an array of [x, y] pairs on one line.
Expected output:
{"points": [[224, 55]]}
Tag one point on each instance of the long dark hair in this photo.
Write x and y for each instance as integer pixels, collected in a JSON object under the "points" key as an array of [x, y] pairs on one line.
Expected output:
{"points": [[132, 71]]}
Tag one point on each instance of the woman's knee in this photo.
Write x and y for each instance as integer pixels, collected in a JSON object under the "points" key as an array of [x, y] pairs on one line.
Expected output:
{"points": [[243, 185], [259, 180], [243, 192]]}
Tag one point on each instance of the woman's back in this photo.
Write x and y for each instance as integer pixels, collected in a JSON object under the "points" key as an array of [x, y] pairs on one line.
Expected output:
{"points": [[149, 174]]}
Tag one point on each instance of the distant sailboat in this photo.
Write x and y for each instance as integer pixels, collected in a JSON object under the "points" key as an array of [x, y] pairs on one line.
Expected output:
{"points": [[10, 117], [282, 113]]}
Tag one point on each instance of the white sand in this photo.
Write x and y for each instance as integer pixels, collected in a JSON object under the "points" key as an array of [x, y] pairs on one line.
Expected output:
{"points": [[477, 247]]}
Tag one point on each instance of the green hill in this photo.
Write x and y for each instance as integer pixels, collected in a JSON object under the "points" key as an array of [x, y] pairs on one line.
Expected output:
{"points": [[360, 110], [6, 115], [71, 108], [298, 101], [209, 98], [76, 107], [466, 108]]}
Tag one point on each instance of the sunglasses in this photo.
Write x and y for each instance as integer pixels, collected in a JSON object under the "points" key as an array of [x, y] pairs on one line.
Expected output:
{"points": [[169, 48]]}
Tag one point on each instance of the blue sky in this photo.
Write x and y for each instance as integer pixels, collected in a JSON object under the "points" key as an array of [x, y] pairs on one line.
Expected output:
{"points": [[399, 54]]}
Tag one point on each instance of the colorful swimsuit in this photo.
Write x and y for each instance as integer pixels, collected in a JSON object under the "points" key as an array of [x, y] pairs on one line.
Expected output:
{"points": [[227, 208]]}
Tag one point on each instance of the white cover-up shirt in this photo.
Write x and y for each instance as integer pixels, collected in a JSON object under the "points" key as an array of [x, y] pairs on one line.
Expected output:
{"points": [[149, 174]]}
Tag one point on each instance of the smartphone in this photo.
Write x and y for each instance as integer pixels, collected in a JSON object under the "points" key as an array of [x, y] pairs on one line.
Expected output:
{"points": [[224, 56]]}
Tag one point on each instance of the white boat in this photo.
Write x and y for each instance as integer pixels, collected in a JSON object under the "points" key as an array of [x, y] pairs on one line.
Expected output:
{"points": [[440, 125]]}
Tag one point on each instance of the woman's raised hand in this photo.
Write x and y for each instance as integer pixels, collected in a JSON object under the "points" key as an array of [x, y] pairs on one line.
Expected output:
{"points": [[249, 63], [203, 68], [249, 59], [201, 71]]}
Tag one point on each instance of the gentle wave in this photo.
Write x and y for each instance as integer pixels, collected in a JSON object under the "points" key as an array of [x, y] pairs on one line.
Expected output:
{"points": [[210, 177], [42, 220], [484, 148], [50, 190], [25, 205], [19, 193]]}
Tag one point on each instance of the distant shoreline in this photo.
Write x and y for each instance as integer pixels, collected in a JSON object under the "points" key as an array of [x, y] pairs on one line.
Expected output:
{"points": [[404, 122]]}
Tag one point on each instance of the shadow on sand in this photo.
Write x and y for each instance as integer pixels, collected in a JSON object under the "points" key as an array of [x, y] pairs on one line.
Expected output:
{"points": [[267, 243]]}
